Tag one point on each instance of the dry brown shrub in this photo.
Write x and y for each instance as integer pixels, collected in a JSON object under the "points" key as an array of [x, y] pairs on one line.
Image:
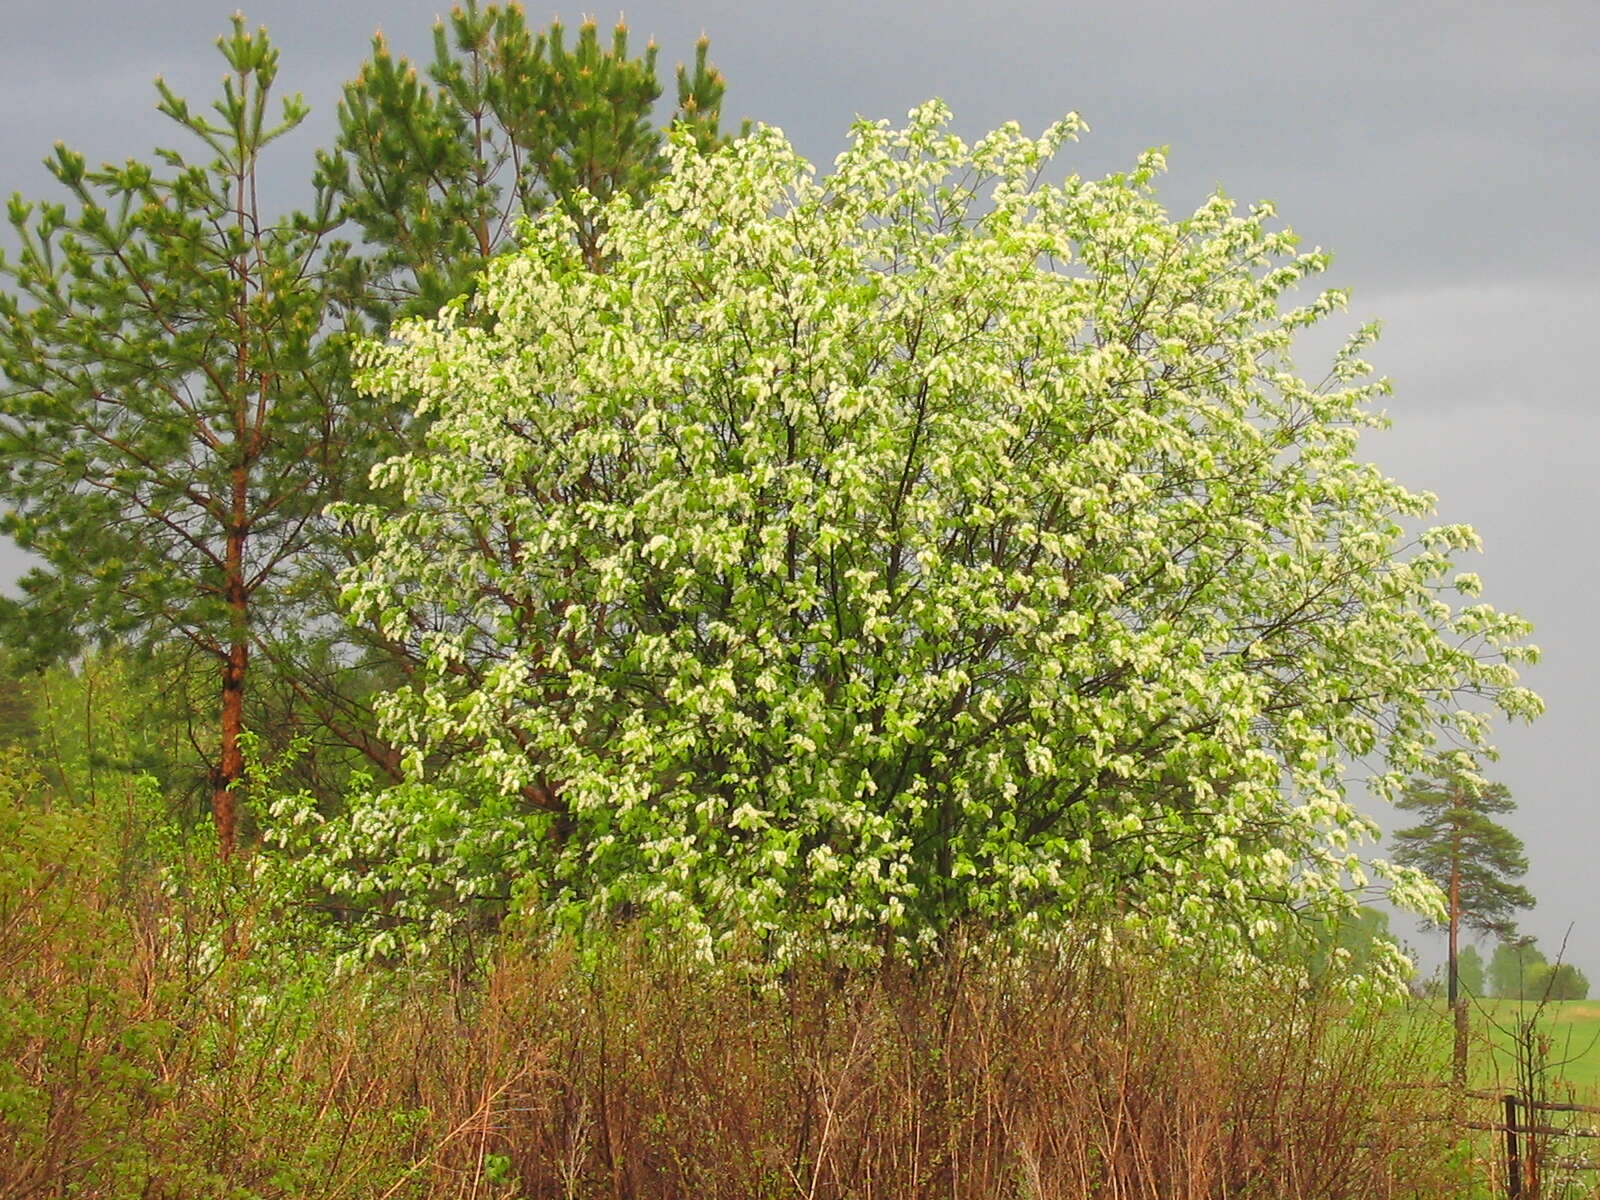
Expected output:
{"points": [[152, 1045]]}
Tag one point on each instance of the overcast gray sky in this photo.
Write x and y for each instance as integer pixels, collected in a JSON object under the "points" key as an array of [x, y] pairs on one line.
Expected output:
{"points": [[1446, 153]]}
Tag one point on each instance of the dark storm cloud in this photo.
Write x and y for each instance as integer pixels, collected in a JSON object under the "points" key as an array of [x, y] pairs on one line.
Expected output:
{"points": [[1445, 152]]}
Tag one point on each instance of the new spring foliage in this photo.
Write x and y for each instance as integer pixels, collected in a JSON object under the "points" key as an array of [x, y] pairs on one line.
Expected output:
{"points": [[918, 543]]}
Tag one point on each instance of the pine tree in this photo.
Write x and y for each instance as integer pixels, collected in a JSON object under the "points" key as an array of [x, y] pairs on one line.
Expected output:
{"points": [[436, 173], [1473, 859], [175, 403], [167, 429]]}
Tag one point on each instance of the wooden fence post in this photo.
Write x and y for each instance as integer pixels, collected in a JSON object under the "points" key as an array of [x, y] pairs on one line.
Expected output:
{"points": [[1513, 1161]]}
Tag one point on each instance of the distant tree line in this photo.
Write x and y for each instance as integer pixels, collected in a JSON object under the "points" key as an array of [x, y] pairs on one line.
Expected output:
{"points": [[1517, 970]]}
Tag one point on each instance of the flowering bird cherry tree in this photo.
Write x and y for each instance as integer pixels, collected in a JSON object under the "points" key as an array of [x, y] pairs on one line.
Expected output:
{"points": [[917, 545]]}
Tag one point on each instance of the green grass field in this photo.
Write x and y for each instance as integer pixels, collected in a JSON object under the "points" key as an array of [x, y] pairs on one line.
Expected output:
{"points": [[1566, 1034]]}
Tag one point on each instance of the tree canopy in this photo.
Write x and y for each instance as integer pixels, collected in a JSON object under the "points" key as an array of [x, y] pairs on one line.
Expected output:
{"points": [[912, 545], [1461, 848], [437, 168], [176, 408], [1555, 981], [1519, 970], [1358, 943], [1513, 965], [169, 431]]}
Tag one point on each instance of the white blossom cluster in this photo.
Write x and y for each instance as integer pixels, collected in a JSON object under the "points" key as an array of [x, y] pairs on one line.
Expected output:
{"points": [[919, 544]]}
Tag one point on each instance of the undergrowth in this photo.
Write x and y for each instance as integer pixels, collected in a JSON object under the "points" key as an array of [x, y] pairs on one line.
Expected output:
{"points": [[161, 1038]]}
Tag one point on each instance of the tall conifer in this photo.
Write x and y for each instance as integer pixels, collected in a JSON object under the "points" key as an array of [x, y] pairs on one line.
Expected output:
{"points": [[168, 429], [436, 170], [1473, 859], [175, 406]]}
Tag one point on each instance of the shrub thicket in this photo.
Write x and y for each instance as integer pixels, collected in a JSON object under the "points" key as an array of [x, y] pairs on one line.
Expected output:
{"points": [[159, 1037]]}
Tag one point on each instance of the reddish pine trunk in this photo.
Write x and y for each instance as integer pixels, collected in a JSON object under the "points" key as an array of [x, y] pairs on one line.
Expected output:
{"points": [[1452, 983], [1458, 1004], [230, 765], [230, 762], [229, 776]]}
